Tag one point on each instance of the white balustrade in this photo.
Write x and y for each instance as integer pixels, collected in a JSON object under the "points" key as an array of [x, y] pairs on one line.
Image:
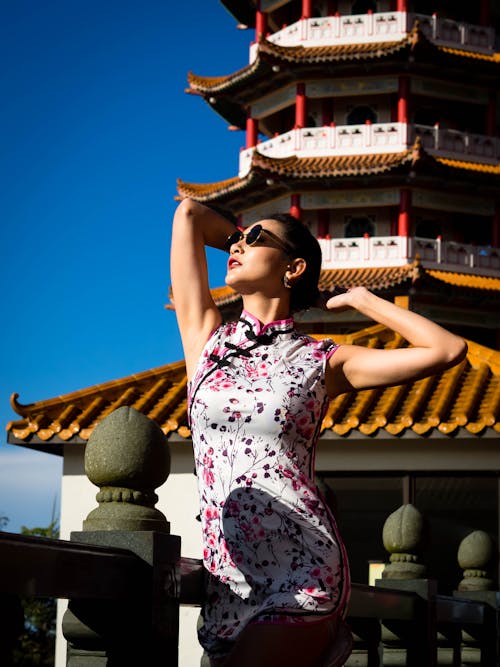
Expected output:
{"points": [[455, 144], [383, 26], [330, 141], [390, 251], [375, 138]]}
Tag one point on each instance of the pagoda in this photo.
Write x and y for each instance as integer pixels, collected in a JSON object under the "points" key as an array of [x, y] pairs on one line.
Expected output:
{"points": [[377, 124]]}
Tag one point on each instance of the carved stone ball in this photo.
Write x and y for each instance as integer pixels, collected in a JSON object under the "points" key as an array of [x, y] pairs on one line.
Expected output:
{"points": [[475, 551], [402, 532], [127, 449]]}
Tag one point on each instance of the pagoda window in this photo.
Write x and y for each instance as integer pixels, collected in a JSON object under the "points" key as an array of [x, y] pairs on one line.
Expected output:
{"points": [[363, 7], [428, 229], [360, 115], [356, 227]]}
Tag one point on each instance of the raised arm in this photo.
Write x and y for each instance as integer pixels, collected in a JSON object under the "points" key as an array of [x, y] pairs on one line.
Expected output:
{"points": [[354, 367], [194, 227]]}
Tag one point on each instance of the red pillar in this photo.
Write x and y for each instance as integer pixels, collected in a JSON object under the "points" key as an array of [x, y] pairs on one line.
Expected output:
{"points": [[306, 9], [300, 105], [403, 94], [295, 209], [491, 112], [495, 227], [402, 6], [252, 131], [404, 212], [323, 223], [260, 23]]}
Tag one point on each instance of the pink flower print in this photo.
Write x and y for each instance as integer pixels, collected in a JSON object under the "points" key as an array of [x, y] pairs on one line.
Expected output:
{"points": [[312, 504], [262, 369], [208, 476], [310, 405], [211, 513], [315, 572], [288, 473]]}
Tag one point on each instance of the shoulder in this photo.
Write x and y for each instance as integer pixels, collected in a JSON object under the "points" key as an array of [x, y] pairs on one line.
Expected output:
{"points": [[318, 346]]}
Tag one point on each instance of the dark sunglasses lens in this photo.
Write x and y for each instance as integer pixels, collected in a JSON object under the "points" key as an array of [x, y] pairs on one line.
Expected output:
{"points": [[234, 238], [253, 235]]}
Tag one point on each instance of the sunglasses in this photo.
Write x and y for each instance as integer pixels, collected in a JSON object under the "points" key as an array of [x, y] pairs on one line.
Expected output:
{"points": [[254, 235]]}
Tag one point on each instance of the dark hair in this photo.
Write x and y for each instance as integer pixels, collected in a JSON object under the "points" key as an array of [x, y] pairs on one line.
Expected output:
{"points": [[305, 292]]}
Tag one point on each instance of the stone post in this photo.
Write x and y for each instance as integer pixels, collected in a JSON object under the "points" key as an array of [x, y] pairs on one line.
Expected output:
{"points": [[474, 556], [409, 643], [480, 645], [127, 457]]}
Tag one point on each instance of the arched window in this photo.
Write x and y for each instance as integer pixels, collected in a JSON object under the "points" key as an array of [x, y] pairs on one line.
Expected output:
{"points": [[359, 227], [363, 7], [359, 115]]}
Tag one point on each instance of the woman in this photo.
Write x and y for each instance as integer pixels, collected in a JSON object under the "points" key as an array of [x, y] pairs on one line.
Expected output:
{"points": [[278, 581]]}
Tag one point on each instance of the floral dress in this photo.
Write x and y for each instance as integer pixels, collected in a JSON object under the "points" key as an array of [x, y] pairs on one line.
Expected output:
{"points": [[271, 546]]}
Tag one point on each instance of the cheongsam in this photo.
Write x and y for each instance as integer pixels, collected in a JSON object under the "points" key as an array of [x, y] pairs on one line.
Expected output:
{"points": [[271, 546]]}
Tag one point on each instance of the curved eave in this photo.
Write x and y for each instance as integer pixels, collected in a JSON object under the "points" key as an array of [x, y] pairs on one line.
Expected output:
{"points": [[269, 54], [480, 168], [264, 168], [462, 400], [159, 393], [466, 280]]}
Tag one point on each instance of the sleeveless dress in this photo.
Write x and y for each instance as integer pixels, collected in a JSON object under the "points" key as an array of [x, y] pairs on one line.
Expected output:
{"points": [[271, 546]]}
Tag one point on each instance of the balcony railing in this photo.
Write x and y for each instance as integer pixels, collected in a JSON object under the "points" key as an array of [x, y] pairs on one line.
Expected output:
{"points": [[381, 27], [378, 251], [374, 138]]}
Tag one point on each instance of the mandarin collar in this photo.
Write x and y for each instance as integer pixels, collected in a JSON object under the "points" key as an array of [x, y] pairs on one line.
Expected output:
{"points": [[277, 326]]}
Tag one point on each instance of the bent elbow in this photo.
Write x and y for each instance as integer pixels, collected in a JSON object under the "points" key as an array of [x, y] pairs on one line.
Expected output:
{"points": [[456, 352]]}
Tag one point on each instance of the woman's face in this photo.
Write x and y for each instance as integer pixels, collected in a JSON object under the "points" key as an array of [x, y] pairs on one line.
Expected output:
{"points": [[259, 267]]}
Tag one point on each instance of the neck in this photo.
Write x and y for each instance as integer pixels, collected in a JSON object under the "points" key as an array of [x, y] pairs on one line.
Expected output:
{"points": [[268, 310]]}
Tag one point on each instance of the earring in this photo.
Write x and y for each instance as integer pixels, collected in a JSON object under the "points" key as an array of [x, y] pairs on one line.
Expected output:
{"points": [[286, 282]]}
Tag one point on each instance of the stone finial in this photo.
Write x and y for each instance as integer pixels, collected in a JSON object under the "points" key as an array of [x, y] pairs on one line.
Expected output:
{"points": [[402, 537], [474, 555], [127, 456]]}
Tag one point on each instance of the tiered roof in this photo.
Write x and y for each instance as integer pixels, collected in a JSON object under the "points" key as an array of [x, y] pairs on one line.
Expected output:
{"points": [[270, 177], [275, 66], [464, 397]]}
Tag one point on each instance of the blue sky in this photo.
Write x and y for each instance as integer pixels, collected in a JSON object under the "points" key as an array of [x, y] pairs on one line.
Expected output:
{"points": [[96, 128]]}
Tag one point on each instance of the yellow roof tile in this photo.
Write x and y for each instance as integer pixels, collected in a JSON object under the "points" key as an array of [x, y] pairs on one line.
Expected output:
{"points": [[464, 397]]}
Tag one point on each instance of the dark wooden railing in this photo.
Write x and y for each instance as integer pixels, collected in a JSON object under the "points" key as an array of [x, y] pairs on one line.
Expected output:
{"points": [[125, 582]]}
